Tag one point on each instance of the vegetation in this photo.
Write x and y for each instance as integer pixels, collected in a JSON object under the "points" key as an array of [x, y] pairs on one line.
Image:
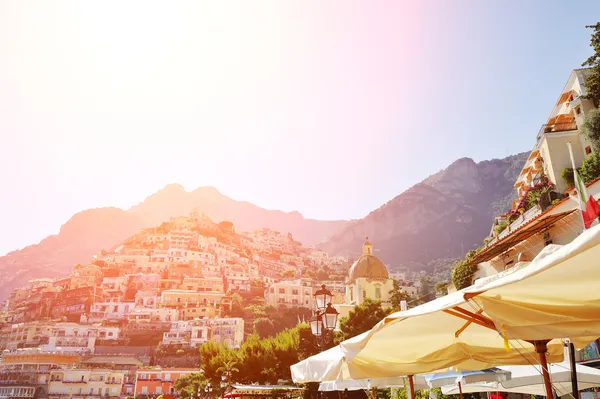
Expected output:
{"points": [[500, 227], [442, 288], [191, 386], [462, 274], [257, 360], [590, 127], [397, 295], [592, 83], [568, 177], [590, 168], [362, 318]]}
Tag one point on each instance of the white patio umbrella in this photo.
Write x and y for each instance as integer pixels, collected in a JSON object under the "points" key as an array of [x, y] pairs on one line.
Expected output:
{"points": [[455, 330], [529, 380]]}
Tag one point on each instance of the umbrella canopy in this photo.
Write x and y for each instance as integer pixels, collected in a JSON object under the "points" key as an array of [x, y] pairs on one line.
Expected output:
{"points": [[467, 377], [552, 297], [528, 380], [555, 296], [439, 334]]}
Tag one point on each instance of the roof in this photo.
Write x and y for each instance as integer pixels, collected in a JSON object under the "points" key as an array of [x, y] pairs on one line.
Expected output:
{"points": [[525, 231], [368, 266]]}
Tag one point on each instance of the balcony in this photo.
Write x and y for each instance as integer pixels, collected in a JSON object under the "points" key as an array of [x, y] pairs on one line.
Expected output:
{"points": [[557, 127]]}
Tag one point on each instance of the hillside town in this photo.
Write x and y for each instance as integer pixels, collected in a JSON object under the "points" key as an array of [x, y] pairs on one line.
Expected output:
{"points": [[167, 289]]}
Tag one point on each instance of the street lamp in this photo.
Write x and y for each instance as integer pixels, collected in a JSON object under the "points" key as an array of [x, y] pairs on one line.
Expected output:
{"points": [[324, 320], [322, 298]]}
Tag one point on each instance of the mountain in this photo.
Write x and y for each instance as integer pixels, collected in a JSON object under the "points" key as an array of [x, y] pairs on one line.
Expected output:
{"points": [[174, 200], [91, 230], [438, 220], [77, 241]]}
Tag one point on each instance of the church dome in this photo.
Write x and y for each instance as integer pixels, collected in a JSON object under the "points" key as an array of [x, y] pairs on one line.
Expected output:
{"points": [[367, 266]]}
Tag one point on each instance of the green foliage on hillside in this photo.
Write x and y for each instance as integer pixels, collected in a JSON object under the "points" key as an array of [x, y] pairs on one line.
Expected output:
{"points": [[462, 274]]}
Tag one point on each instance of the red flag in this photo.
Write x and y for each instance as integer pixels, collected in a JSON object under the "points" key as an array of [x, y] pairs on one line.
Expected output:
{"points": [[591, 213]]}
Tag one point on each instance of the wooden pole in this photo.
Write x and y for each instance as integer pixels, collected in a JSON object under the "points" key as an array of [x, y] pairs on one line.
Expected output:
{"points": [[541, 348], [460, 389], [574, 384], [411, 387]]}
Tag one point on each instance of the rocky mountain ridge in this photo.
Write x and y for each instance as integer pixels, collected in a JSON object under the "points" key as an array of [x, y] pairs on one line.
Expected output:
{"points": [[438, 220]]}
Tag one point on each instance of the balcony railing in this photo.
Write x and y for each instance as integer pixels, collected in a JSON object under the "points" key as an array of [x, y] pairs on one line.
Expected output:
{"points": [[557, 127]]}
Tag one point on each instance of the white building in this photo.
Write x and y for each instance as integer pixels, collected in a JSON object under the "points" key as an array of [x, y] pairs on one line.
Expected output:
{"points": [[290, 293]]}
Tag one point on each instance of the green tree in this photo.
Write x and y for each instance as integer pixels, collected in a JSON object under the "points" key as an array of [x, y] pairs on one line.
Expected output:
{"points": [[191, 386], [427, 290], [397, 295], [568, 177], [264, 327], [592, 83], [362, 318], [590, 168], [590, 127]]}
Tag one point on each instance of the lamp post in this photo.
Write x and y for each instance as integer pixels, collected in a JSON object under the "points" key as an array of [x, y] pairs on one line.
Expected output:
{"points": [[324, 319]]}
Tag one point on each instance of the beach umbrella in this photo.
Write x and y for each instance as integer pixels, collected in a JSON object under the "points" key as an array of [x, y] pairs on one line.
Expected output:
{"points": [[464, 329], [529, 380]]}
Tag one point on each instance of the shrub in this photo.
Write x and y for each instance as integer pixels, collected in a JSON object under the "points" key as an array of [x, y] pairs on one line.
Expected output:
{"points": [[591, 127], [568, 177], [590, 168]]}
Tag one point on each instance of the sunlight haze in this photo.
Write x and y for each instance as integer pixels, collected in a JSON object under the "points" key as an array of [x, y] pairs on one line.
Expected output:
{"points": [[327, 108]]}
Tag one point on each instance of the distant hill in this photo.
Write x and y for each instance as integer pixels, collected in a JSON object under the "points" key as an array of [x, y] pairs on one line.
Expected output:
{"points": [[438, 220], [91, 230]]}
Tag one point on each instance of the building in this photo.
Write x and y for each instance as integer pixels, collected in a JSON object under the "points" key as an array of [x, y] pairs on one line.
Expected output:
{"points": [[152, 382], [25, 374], [368, 278], [78, 338], [550, 154], [101, 311], [81, 382], [290, 293]]}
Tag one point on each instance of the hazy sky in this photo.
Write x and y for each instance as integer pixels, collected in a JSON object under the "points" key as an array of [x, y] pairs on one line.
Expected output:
{"points": [[330, 108]]}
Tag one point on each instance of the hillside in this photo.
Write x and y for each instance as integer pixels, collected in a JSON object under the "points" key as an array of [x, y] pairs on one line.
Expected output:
{"points": [[91, 230], [174, 200], [437, 220]]}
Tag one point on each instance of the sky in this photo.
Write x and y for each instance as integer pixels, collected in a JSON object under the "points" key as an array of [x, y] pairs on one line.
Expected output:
{"points": [[328, 108]]}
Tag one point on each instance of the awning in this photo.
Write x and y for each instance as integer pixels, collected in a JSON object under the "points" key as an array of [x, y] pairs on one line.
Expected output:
{"points": [[534, 226], [565, 118], [534, 154], [564, 97]]}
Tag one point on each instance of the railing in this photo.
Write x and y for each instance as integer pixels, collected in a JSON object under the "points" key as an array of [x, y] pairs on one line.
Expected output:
{"points": [[557, 127]]}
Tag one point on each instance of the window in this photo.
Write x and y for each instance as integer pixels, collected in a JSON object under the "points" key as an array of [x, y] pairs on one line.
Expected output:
{"points": [[158, 390], [578, 110], [110, 334], [377, 292], [294, 292], [116, 308], [145, 390], [282, 290], [588, 150]]}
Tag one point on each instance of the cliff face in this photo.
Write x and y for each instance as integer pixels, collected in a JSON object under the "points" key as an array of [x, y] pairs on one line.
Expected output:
{"points": [[439, 219]]}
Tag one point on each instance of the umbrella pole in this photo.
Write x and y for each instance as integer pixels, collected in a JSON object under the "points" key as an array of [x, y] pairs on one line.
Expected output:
{"points": [[541, 348], [574, 384], [460, 390], [411, 387]]}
